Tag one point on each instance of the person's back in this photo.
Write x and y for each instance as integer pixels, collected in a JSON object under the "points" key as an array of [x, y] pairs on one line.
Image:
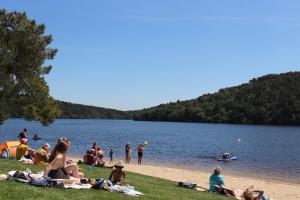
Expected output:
{"points": [[22, 135], [101, 153], [21, 151], [90, 159], [41, 156], [216, 179]]}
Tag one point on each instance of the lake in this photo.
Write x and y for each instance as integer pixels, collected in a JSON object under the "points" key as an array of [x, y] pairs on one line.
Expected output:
{"points": [[265, 152]]}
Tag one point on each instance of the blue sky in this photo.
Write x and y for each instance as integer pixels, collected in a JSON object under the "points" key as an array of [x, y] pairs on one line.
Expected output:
{"points": [[135, 54]]}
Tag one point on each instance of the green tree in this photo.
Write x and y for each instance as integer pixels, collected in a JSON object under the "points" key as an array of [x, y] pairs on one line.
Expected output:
{"points": [[23, 52]]}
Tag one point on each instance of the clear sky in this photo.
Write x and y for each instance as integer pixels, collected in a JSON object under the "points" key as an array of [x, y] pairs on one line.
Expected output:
{"points": [[134, 54]]}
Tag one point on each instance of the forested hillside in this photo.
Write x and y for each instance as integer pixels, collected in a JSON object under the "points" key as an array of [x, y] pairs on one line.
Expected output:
{"points": [[271, 99], [79, 111]]}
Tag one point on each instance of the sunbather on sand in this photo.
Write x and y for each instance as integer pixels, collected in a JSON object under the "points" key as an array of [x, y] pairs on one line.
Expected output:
{"points": [[57, 168], [248, 194]]}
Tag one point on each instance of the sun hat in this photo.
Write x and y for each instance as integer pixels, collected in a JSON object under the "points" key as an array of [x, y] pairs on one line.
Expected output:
{"points": [[119, 163], [24, 141]]}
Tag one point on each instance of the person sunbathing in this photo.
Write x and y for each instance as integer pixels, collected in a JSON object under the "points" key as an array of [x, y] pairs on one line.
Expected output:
{"points": [[117, 176], [57, 168], [251, 194], [248, 194]]}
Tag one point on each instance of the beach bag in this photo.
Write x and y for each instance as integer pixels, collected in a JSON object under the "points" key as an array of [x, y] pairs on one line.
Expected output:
{"points": [[187, 185]]}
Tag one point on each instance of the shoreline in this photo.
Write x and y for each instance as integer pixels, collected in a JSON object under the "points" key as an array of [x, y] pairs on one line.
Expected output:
{"points": [[276, 190]]}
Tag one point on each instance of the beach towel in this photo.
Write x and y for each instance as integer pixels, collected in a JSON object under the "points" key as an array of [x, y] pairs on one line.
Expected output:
{"points": [[77, 186], [127, 190], [19, 176], [26, 160]]}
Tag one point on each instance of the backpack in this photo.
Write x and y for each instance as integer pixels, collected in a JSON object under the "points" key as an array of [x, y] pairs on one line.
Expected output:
{"points": [[187, 185]]}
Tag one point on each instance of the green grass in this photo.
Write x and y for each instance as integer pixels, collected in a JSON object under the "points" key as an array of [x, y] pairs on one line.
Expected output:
{"points": [[153, 188]]}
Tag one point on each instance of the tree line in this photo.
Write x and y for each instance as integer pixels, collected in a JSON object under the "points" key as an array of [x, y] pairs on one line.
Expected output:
{"points": [[270, 99], [78, 111]]}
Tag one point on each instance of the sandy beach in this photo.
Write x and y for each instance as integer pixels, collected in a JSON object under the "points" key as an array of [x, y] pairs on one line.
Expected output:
{"points": [[276, 190]]}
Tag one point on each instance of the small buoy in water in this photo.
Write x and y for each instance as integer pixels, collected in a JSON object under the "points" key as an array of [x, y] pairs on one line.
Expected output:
{"points": [[145, 142], [239, 140]]}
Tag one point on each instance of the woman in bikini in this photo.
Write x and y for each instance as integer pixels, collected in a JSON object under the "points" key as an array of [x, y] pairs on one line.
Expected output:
{"points": [[57, 168]]}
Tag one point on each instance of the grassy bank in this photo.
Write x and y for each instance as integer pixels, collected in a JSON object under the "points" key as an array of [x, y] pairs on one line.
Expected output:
{"points": [[153, 188]]}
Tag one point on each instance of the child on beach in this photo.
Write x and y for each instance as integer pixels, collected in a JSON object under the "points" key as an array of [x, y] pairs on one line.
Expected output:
{"points": [[117, 176]]}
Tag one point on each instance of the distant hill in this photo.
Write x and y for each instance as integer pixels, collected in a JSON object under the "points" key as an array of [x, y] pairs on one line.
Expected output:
{"points": [[270, 99], [79, 111]]}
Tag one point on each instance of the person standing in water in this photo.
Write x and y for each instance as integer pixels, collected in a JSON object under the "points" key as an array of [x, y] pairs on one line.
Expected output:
{"points": [[23, 134], [128, 152], [140, 153]]}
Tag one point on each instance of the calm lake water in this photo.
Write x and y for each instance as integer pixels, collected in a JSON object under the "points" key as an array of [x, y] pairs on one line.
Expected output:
{"points": [[265, 152]]}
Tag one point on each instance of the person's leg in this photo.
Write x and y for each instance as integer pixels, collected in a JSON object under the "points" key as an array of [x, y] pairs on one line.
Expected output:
{"points": [[72, 169], [81, 175]]}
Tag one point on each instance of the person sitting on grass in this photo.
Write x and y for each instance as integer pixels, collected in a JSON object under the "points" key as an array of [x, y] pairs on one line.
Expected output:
{"points": [[216, 181], [42, 155], [89, 158], [57, 168], [24, 150], [100, 162], [117, 176], [100, 152]]}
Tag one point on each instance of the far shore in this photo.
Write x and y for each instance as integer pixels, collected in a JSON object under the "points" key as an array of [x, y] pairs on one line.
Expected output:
{"points": [[276, 190]]}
